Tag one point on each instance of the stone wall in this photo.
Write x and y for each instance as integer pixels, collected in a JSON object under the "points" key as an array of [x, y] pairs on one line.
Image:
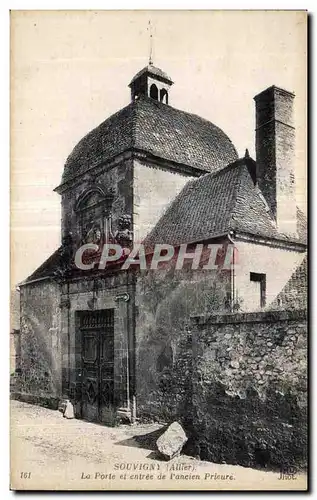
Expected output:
{"points": [[117, 176], [165, 300], [97, 294], [249, 375], [15, 351], [40, 342]]}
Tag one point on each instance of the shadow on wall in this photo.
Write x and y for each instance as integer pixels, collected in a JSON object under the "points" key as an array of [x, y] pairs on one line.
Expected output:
{"points": [[249, 398], [15, 350], [252, 432], [166, 302], [38, 366]]}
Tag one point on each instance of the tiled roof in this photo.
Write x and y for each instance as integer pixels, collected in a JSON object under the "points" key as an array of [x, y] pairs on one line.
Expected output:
{"points": [[156, 128], [201, 209], [215, 204], [48, 268], [294, 294], [152, 70], [206, 208]]}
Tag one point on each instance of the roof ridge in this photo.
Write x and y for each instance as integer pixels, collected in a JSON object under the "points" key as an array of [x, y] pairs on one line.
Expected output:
{"points": [[212, 175], [225, 169], [188, 113], [240, 184], [42, 266]]}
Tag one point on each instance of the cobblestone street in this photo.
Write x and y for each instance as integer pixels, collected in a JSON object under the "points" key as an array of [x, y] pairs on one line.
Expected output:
{"points": [[51, 452]]}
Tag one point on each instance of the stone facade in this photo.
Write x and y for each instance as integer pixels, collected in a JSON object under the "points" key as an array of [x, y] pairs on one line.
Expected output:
{"points": [[99, 294], [165, 300], [115, 179], [141, 189], [146, 162], [154, 187], [15, 351], [237, 382], [40, 340], [249, 386]]}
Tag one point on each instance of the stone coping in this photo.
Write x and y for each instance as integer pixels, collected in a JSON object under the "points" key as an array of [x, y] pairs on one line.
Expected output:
{"points": [[251, 317]]}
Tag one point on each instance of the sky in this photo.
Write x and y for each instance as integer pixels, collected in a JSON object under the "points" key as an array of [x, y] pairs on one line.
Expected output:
{"points": [[70, 70]]}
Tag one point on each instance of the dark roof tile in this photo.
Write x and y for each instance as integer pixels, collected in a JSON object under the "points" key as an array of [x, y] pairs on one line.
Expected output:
{"points": [[156, 128], [201, 210], [215, 204], [152, 70], [48, 269]]}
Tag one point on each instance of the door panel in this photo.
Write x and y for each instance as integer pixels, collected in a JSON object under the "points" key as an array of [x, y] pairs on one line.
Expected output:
{"points": [[97, 332], [106, 375]]}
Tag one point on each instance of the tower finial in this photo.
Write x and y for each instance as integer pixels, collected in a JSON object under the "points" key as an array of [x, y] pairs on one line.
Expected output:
{"points": [[151, 44]]}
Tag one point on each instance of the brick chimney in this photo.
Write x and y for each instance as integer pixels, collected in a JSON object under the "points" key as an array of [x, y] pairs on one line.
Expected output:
{"points": [[275, 154]]}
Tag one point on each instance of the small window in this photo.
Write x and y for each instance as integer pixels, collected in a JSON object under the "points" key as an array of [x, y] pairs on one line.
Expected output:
{"points": [[163, 96], [260, 280], [154, 92]]}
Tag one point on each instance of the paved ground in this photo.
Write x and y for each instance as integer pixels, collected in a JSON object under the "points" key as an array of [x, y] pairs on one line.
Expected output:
{"points": [[51, 452]]}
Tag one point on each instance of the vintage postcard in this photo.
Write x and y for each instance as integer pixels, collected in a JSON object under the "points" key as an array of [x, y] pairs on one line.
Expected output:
{"points": [[158, 250]]}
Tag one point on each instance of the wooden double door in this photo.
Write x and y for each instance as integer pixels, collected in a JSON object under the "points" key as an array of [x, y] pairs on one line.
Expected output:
{"points": [[97, 370]]}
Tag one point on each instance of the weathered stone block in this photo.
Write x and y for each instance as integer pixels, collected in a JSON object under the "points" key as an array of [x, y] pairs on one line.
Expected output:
{"points": [[170, 443]]}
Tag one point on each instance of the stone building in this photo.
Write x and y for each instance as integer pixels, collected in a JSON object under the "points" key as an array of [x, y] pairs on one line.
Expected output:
{"points": [[155, 174]]}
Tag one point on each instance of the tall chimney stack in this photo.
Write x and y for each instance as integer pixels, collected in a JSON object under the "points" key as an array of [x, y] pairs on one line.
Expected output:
{"points": [[275, 154]]}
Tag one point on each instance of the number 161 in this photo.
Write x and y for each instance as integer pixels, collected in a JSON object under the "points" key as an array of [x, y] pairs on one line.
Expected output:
{"points": [[25, 475]]}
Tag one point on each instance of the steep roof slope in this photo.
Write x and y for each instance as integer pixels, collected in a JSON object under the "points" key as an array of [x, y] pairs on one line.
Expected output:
{"points": [[215, 204], [49, 267], [201, 210], [156, 128]]}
